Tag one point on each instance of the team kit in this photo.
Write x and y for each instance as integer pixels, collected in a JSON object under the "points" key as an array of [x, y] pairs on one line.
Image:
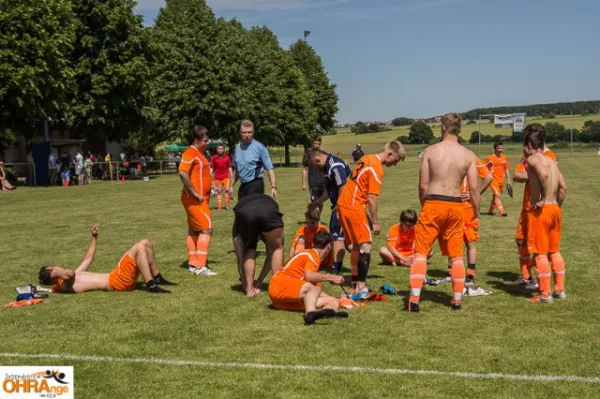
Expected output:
{"points": [[451, 181]]}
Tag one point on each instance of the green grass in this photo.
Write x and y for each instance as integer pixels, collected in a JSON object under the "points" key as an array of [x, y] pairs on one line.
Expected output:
{"points": [[208, 319]]}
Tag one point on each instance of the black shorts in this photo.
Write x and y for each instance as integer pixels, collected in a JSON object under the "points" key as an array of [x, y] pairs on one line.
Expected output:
{"points": [[317, 192], [256, 186], [261, 215]]}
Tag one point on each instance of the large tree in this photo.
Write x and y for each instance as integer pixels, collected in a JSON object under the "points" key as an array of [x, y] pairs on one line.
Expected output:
{"points": [[111, 67], [36, 38], [325, 97], [420, 133]]}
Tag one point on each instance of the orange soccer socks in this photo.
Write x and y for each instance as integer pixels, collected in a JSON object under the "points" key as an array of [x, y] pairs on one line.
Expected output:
{"points": [[418, 270], [458, 281], [558, 269], [496, 203], [197, 250], [542, 270], [526, 262]]}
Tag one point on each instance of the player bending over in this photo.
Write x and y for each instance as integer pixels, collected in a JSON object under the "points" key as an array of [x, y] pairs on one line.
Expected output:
{"points": [[140, 259], [296, 286], [548, 191], [257, 217]]}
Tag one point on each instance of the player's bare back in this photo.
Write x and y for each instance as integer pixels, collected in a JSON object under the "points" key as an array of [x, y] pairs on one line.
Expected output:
{"points": [[447, 165], [544, 179]]}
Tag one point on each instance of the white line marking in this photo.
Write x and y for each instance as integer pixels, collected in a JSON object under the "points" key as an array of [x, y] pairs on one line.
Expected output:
{"points": [[299, 367]]}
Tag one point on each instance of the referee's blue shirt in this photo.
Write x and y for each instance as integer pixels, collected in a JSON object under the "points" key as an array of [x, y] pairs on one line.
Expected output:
{"points": [[251, 160]]}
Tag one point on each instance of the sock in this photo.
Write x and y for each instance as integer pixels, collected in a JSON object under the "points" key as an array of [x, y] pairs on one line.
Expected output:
{"points": [[191, 243], [159, 279], [558, 268], [524, 262], [471, 269], [226, 200], [219, 200], [531, 266], [458, 279], [542, 269], [418, 270], [337, 268], [203, 242], [364, 261], [498, 204], [354, 267], [492, 206]]}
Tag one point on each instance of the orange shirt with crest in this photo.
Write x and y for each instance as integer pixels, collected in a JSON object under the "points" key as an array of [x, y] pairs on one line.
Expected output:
{"points": [[522, 166], [498, 167], [366, 178], [196, 164], [402, 241], [296, 265], [308, 235]]}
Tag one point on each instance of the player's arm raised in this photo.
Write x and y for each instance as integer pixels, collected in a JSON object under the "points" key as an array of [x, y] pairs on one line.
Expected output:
{"points": [[91, 251], [473, 187], [424, 177], [562, 189]]}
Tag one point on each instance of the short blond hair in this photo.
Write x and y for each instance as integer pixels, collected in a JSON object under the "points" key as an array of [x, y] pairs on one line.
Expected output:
{"points": [[397, 148], [247, 123], [452, 122]]}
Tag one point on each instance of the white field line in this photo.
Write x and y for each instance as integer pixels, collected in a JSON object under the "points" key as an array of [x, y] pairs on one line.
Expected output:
{"points": [[299, 367]]}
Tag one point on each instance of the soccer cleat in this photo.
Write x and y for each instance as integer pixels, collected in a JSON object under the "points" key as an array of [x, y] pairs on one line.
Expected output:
{"points": [[542, 299], [432, 282], [445, 280], [560, 294], [456, 305], [191, 269], [470, 281], [412, 307], [532, 286], [205, 271], [504, 214], [311, 317], [476, 291], [520, 281], [341, 314]]}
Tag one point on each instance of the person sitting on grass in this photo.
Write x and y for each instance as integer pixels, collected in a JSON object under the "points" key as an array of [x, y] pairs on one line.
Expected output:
{"points": [[296, 286], [305, 235], [400, 248], [140, 259]]}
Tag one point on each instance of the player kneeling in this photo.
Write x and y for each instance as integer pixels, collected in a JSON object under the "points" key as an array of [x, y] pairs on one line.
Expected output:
{"points": [[296, 286], [401, 241], [140, 259], [305, 235]]}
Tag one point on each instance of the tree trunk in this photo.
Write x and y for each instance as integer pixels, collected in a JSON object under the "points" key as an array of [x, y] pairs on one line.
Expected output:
{"points": [[287, 155]]}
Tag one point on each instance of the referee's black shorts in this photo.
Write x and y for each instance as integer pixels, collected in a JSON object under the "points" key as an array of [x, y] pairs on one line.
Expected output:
{"points": [[255, 214]]}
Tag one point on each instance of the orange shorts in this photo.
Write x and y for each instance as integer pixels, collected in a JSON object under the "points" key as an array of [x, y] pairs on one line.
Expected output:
{"points": [[285, 293], [198, 215], [125, 275], [442, 220], [355, 225], [544, 229], [522, 227], [471, 233], [222, 184], [496, 188]]}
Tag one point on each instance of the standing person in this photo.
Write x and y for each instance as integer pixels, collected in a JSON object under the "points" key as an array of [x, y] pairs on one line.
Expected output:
{"points": [[498, 164], [177, 160], [31, 170], [316, 179], [88, 165], [195, 195], [79, 167], [548, 191], [220, 169], [144, 159], [358, 153], [526, 261], [250, 160], [359, 193], [443, 168], [65, 169], [257, 217], [52, 169]]}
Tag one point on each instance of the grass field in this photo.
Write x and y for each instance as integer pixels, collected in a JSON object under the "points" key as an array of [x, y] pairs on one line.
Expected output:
{"points": [[209, 320]]}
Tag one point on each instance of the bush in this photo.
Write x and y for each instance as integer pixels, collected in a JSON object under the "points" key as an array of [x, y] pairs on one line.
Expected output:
{"points": [[420, 133], [403, 139]]}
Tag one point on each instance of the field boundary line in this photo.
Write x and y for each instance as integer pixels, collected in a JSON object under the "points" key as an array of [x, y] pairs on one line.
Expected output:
{"points": [[298, 367]]}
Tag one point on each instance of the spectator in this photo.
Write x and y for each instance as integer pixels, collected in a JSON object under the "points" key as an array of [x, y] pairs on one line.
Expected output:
{"points": [[52, 169], [79, 167], [65, 170], [88, 164], [71, 166], [144, 159], [31, 169], [133, 164], [358, 153], [4, 184]]}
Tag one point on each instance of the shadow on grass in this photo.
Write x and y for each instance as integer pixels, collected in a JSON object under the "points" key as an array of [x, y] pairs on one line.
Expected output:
{"points": [[238, 287], [185, 265], [514, 290]]}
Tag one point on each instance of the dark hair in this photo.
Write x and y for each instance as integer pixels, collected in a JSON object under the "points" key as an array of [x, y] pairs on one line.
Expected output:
{"points": [[45, 276], [321, 240], [408, 216], [317, 139], [497, 144], [314, 214], [535, 134], [198, 132]]}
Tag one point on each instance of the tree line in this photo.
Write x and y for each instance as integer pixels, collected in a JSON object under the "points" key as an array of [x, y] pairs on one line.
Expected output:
{"points": [[543, 110], [93, 69]]}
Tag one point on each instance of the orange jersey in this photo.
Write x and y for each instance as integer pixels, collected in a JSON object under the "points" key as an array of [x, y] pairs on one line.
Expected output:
{"points": [[308, 235], [522, 166], [498, 167], [365, 179], [482, 172], [402, 241], [196, 164], [299, 263]]}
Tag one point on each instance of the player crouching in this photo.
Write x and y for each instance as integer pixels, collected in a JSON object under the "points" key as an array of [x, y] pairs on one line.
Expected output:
{"points": [[296, 286], [401, 241]]}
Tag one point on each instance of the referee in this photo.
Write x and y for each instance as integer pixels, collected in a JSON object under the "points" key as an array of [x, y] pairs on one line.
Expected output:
{"points": [[250, 160]]}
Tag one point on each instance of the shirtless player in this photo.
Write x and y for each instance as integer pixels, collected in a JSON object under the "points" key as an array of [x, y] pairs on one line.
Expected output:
{"points": [[140, 259], [548, 191], [443, 169]]}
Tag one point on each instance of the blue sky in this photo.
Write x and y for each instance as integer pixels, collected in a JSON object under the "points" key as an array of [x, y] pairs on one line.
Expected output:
{"points": [[421, 58]]}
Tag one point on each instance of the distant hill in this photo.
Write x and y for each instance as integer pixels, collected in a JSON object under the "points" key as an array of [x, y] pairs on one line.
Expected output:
{"points": [[544, 110]]}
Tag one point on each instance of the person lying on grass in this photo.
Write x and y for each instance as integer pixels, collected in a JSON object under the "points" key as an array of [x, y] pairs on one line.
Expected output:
{"points": [[140, 259], [296, 286]]}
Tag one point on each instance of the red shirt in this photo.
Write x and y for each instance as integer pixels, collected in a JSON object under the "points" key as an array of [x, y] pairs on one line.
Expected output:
{"points": [[221, 166]]}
